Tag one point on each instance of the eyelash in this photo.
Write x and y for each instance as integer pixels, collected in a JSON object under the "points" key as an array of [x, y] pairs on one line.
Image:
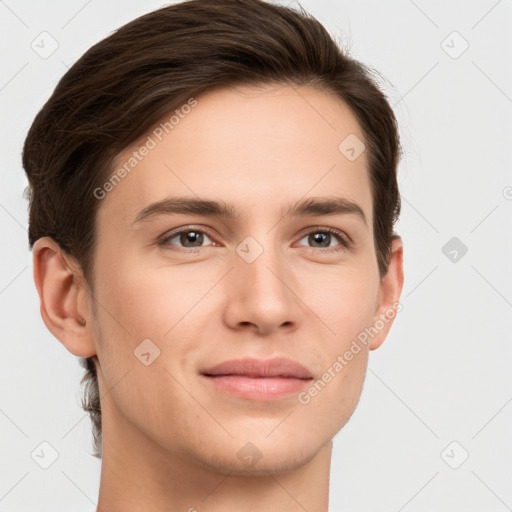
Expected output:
{"points": [[345, 242]]}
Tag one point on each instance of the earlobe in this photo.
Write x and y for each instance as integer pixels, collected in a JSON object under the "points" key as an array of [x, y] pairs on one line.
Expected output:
{"points": [[60, 289], [389, 295]]}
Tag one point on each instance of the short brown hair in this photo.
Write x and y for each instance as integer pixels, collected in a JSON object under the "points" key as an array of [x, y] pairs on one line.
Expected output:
{"points": [[128, 81]]}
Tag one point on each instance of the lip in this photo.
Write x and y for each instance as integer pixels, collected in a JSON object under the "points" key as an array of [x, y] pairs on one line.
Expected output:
{"points": [[252, 367], [258, 379]]}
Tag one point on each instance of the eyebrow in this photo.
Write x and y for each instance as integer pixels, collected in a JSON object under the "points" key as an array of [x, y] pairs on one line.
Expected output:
{"points": [[309, 207]]}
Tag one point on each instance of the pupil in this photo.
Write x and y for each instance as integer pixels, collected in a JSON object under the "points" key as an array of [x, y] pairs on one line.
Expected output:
{"points": [[319, 237], [191, 237]]}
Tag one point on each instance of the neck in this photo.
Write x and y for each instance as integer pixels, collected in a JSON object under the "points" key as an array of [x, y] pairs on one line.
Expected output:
{"points": [[138, 475]]}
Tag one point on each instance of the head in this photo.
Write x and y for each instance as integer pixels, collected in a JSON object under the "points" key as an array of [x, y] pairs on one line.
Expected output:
{"points": [[254, 106]]}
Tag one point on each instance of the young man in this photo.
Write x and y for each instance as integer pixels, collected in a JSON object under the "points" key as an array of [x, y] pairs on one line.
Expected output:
{"points": [[213, 194]]}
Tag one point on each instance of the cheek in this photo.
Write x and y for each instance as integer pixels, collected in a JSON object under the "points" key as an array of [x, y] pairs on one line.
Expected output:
{"points": [[127, 315], [346, 305], [140, 303], [145, 310], [134, 311], [346, 302]]}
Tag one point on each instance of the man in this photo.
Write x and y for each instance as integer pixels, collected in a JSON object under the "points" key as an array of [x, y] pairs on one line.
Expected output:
{"points": [[213, 194]]}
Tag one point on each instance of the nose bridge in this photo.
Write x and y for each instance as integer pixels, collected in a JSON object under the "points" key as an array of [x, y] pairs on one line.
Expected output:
{"points": [[265, 272], [261, 287]]}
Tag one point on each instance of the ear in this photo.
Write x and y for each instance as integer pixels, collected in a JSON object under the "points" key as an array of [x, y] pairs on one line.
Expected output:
{"points": [[63, 294], [389, 294]]}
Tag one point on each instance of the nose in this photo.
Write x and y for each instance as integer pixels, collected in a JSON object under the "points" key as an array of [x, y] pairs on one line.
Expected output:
{"points": [[261, 295]]}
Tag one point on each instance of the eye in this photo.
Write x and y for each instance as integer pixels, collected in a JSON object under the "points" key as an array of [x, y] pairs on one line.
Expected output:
{"points": [[189, 238], [321, 238]]}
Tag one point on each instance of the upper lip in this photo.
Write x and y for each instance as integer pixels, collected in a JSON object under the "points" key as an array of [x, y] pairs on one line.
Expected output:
{"points": [[251, 367]]}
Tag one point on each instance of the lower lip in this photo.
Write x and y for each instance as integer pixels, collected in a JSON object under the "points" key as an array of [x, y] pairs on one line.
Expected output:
{"points": [[262, 388]]}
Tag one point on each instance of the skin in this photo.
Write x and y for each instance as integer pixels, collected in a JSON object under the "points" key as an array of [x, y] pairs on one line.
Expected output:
{"points": [[170, 441]]}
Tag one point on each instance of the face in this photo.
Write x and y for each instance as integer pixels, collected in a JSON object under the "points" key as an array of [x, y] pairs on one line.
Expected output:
{"points": [[181, 292]]}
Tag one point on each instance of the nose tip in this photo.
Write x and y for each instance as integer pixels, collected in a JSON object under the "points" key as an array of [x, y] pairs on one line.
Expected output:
{"points": [[260, 297]]}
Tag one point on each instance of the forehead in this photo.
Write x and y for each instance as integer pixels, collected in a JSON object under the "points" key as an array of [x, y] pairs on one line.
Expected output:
{"points": [[248, 146]]}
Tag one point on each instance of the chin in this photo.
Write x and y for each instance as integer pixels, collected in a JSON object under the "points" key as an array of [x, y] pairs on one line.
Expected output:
{"points": [[259, 458]]}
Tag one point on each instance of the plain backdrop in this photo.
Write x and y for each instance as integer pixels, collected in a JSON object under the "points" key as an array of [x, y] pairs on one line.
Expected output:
{"points": [[432, 431]]}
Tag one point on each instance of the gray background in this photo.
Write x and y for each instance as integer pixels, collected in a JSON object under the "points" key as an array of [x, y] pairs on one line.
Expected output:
{"points": [[439, 388]]}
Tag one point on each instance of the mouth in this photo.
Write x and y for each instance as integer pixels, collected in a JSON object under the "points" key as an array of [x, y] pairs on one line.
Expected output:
{"points": [[256, 379]]}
